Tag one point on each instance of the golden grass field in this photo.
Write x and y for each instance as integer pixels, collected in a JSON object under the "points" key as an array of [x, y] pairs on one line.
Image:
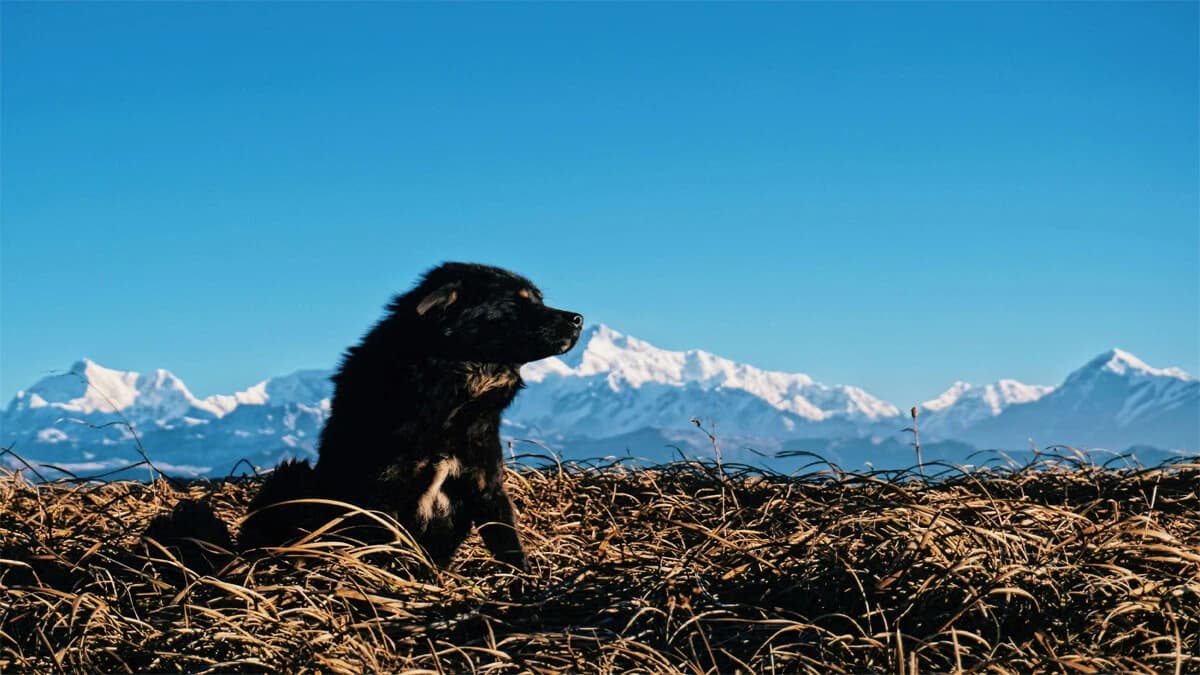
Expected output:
{"points": [[1057, 567]]}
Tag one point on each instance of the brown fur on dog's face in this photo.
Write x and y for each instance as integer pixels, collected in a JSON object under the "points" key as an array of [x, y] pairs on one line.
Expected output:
{"points": [[480, 313]]}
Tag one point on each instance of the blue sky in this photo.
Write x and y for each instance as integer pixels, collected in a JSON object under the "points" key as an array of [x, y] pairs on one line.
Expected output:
{"points": [[887, 195]]}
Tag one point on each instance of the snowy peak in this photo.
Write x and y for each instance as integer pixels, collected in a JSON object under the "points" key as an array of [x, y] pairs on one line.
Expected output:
{"points": [[597, 343], [1117, 377], [303, 387], [995, 397], [625, 363], [1012, 391], [964, 404], [86, 387], [949, 397], [1120, 362], [633, 362], [91, 389], [1113, 401], [604, 350]]}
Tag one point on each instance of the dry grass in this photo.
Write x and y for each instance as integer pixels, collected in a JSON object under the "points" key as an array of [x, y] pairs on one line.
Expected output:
{"points": [[1062, 566]]}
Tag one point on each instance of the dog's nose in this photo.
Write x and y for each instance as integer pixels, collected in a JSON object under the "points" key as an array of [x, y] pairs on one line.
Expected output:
{"points": [[577, 320]]}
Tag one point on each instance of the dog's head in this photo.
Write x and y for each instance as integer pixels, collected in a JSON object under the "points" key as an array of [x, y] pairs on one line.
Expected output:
{"points": [[473, 312]]}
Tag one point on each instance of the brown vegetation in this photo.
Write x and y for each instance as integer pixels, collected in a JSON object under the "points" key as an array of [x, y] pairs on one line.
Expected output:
{"points": [[1062, 566]]}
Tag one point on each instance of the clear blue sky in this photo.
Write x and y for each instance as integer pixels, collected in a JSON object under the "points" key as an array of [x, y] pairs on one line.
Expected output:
{"points": [[887, 195]]}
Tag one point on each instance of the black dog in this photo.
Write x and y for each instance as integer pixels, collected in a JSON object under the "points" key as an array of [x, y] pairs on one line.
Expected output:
{"points": [[414, 429]]}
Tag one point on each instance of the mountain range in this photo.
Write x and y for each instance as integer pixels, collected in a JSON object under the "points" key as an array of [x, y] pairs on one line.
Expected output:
{"points": [[614, 394]]}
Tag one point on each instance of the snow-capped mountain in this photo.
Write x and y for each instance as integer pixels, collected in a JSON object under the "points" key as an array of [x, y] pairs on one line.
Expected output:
{"points": [[58, 408], [612, 393], [613, 384], [86, 418], [89, 389], [964, 405], [303, 387], [1114, 401]]}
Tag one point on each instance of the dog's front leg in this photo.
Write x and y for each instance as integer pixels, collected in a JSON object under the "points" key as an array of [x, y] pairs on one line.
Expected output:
{"points": [[498, 526]]}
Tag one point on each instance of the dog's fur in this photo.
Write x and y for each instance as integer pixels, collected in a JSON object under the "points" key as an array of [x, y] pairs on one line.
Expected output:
{"points": [[414, 428]]}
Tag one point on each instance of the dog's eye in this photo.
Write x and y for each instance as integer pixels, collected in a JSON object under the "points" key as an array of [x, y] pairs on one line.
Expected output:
{"points": [[530, 295]]}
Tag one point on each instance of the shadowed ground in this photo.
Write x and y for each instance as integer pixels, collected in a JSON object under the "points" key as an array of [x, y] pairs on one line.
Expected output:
{"points": [[1060, 566]]}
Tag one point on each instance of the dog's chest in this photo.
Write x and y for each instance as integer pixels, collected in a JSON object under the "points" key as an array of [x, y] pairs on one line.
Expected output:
{"points": [[434, 501], [427, 490], [484, 378]]}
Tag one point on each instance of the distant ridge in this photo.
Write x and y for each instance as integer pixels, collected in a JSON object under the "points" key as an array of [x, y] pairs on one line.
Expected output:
{"points": [[616, 391]]}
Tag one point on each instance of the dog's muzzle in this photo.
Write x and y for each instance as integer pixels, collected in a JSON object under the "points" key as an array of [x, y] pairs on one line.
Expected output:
{"points": [[577, 323]]}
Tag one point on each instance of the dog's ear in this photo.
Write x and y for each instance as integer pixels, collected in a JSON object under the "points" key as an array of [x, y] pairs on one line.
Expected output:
{"points": [[442, 297]]}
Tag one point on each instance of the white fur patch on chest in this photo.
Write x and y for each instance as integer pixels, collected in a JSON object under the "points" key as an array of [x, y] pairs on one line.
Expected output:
{"points": [[433, 500]]}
